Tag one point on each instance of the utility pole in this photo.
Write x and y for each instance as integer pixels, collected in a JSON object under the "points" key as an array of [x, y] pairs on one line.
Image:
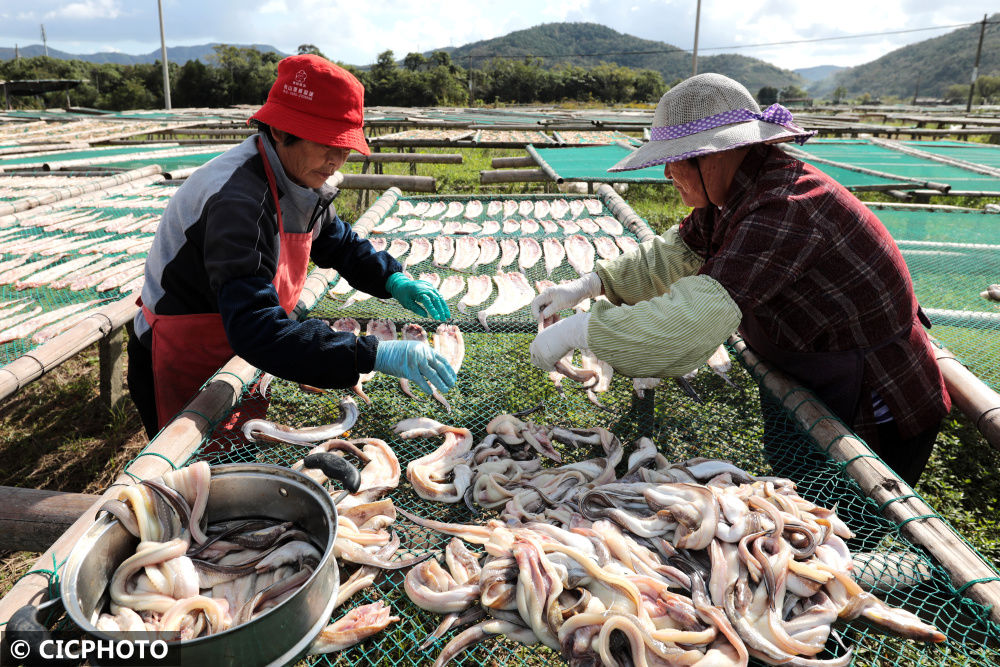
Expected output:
{"points": [[975, 69], [163, 57], [916, 91], [44, 42], [694, 53]]}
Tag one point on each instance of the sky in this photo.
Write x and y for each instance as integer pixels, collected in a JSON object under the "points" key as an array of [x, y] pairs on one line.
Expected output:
{"points": [[356, 31]]}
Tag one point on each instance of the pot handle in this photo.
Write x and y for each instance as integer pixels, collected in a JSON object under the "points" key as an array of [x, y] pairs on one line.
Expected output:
{"points": [[28, 633], [335, 467]]}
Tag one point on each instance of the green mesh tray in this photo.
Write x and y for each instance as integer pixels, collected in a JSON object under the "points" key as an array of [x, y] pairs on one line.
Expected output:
{"points": [[496, 377]]}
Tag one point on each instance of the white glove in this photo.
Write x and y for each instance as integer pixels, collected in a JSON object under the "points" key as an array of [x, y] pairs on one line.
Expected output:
{"points": [[552, 343], [561, 297]]}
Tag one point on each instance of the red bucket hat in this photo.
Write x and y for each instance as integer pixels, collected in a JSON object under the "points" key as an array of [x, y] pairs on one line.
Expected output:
{"points": [[314, 99]]}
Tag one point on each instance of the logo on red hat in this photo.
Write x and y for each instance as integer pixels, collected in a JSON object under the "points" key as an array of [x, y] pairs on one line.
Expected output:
{"points": [[298, 87]]}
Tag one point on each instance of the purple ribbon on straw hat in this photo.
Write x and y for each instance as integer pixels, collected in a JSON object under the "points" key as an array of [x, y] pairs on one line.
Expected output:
{"points": [[775, 113]]}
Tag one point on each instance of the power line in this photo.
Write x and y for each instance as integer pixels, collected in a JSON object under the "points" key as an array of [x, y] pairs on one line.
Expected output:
{"points": [[860, 35]]}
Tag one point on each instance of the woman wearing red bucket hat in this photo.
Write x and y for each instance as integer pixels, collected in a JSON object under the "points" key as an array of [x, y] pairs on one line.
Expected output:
{"points": [[231, 255], [776, 249]]}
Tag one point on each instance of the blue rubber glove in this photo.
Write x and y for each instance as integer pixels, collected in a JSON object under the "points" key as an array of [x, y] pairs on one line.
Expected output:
{"points": [[415, 361], [418, 296]]}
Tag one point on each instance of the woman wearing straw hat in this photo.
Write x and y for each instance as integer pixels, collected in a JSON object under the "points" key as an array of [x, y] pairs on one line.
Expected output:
{"points": [[231, 255], [776, 249]]}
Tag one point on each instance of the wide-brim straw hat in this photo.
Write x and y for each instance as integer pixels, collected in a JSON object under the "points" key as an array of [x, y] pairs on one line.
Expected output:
{"points": [[709, 113]]}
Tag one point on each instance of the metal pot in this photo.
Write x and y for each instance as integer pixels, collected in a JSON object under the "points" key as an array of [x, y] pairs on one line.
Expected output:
{"points": [[238, 491]]}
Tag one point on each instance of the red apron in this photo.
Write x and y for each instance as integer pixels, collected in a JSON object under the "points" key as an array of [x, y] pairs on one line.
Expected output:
{"points": [[189, 349]]}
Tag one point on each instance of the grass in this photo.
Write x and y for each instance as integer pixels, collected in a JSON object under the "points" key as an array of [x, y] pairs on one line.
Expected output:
{"points": [[55, 433]]}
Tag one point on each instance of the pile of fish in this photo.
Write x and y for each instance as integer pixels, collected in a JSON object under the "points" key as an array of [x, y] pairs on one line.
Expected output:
{"points": [[448, 342], [513, 137], [188, 580], [692, 563]]}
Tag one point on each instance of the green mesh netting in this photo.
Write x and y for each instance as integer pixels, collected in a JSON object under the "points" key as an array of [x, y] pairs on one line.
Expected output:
{"points": [[496, 377], [952, 257], [591, 163], [55, 157], [168, 163], [74, 250], [984, 154], [870, 156]]}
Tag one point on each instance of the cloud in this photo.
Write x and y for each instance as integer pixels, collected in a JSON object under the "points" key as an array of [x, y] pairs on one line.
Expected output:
{"points": [[88, 10]]}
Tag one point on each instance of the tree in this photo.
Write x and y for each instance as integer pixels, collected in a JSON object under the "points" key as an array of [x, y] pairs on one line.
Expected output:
{"points": [[839, 94], [310, 49], [414, 61], [767, 95]]}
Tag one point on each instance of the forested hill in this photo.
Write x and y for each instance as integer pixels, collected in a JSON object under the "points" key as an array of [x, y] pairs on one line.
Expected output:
{"points": [[935, 63], [587, 44], [175, 54]]}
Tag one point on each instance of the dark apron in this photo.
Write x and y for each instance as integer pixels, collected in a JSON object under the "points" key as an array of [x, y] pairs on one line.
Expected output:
{"points": [[835, 377]]}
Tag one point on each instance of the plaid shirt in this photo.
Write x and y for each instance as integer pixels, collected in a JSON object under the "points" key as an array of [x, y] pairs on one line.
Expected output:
{"points": [[822, 274]]}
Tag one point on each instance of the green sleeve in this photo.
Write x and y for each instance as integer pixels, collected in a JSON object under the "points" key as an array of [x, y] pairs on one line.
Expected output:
{"points": [[667, 335], [648, 271]]}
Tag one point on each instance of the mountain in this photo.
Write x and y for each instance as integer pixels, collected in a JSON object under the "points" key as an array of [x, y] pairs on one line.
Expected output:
{"points": [[587, 44], [175, 54], [818, 73], [933, 65]]}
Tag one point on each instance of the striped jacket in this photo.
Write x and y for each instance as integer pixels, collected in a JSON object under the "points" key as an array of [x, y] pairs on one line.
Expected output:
{"points": [[815, 266], [216, 251]]}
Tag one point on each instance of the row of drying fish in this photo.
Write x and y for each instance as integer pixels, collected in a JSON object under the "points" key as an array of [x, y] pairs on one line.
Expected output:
{"points": [[86, 271], [17, 323], [694, 563], [467, 253], [526, 208], [448, 342], [87, 221], [525, 227]]}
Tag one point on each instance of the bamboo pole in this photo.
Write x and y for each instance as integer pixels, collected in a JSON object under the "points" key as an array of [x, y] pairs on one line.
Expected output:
{"points": [[512, 176], [512, 162], [896, 499], [901, 182], [428, 158], [381, 181], [972, 396], [624, 213], [68, 191], [899, 147], [544, 165]]}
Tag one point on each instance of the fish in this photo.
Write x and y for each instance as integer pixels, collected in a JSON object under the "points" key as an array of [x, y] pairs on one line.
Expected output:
{"points": [[416, 332], [94, 279], [576, 208], [610, 225], [529, 227], [412, 225], [588, 226], [455, 209], [450, 344], [11, 320], [420, 250], [433, 279], [549, 226], [559, 208], [379, 244], [89, 269], [589, 361], [480, 288], [489, 250], [508, 252], [387, 225], [404, 207], [452, 227], [511, 226], [525, 208], [494, 208], [509, 207], [435, 210], [474, 209], [21, 269], [419, 208], [429, 227], [514, 292], [554, 254], [451, 286], [626, 243], [470, 228], [569, 226], [466, 253], [355, 626], [28, 326], [444, 248], [579, 254], [398, 248], [542, 208], [54, 272], [490, 227], [351, 326], [530, 253], [594, 206], [606, 247]]}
